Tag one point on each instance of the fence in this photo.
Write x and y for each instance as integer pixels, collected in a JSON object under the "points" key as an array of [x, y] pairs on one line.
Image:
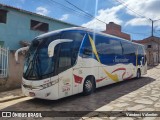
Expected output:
{"points": [[4, 55]]}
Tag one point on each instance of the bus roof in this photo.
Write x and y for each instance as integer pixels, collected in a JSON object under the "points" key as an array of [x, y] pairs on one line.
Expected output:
{"points": [[82, 29]]}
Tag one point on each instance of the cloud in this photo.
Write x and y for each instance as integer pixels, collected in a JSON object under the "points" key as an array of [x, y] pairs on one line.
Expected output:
{"points": [[106, 15], [138, 22], [147, 8], [64, 17], [42, 10]]}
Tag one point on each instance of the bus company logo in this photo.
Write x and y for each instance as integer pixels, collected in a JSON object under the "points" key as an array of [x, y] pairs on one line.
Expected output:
{"points": [[6, 114], [118, 60]]}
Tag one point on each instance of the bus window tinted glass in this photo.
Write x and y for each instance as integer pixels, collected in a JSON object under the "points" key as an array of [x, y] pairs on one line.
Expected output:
{"points": [[140, 50], [108, 46], [104, 45], [77, 38], [128, 48], [117, 47], [64, 57]]}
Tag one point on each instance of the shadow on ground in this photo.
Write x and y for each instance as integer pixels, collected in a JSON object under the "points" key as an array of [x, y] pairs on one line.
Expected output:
{"points": [[152, 66], [78, 102]]}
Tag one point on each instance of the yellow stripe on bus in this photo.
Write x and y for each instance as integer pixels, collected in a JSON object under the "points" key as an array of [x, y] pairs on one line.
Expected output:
{"points": [[113, 77]]}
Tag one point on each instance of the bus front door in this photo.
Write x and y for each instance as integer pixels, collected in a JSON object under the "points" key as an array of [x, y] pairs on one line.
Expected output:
{"points": [[65, 72]]}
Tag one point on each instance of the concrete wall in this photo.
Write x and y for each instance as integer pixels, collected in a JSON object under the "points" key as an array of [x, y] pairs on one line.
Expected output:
{"points": [[15, 74]]}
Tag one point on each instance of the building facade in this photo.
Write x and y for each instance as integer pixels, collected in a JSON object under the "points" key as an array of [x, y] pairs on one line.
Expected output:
{"points": [[152, 47]]}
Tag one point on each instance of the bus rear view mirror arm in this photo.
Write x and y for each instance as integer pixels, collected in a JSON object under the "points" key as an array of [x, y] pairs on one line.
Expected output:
{"points": [[87, 51], [19, 50], [53, 44]]}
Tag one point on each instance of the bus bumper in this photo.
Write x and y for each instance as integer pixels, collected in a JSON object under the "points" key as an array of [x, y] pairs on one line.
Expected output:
{"points": [[50, 93]]}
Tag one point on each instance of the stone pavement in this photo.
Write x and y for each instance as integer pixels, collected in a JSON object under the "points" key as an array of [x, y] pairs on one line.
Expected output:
{"points": [[146, 98], [11, 95]]}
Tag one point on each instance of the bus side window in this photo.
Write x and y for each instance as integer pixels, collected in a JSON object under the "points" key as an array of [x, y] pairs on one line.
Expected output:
{"points": [[104, 45], [117, 47], [142, 55], [64, 57], [128, 48], [140, 51], [86, 49], [77, 38]]}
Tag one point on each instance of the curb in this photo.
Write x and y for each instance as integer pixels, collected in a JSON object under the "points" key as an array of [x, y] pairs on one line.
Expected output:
{"points": [[10, 99]]}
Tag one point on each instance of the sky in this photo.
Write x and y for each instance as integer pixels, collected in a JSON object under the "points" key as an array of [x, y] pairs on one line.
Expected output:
{"points": [[133, 15]]}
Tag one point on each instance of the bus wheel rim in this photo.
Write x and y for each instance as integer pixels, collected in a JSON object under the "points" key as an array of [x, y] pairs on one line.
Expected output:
{"points": [[88, 85]]}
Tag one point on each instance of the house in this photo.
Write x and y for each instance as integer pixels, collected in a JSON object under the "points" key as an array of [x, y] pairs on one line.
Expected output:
{"points": [[19, 25], [152, 47], [18, 28]]}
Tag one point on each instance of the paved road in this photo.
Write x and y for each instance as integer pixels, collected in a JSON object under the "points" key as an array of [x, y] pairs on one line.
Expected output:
{"points": [[142, 94]]}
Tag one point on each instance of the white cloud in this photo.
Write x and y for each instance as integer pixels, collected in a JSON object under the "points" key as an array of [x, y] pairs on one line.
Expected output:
{"points": [[106, 15], [42, 10], [138, 22], [64, 17], [147, 8]]}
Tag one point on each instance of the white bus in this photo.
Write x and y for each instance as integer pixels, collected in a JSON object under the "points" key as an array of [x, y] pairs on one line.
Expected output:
{"points": [[75, 60]]}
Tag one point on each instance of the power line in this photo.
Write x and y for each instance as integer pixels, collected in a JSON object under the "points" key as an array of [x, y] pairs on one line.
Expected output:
{"points": [[132, 10], [52, 2], [91, 16], [100, 20], [152, 21], [85, 12]]}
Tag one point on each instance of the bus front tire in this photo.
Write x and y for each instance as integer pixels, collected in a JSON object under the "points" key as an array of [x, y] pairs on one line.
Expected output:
{"points": [[138, 73], [89, 86]]}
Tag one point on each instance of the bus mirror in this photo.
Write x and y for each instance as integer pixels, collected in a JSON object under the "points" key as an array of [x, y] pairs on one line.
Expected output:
{"points": [[19, 50], [87, 51], [54, 43]]}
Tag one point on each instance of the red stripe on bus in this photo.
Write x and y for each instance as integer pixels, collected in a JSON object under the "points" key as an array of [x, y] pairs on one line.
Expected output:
{"points": [[98, 80]]}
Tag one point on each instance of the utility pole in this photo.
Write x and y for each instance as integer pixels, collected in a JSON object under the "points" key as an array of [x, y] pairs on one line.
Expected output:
{"points": [[153, 35], [153, 21], [152, 28]]}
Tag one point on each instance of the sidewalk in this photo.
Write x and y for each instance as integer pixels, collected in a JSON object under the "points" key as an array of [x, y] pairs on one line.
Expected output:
{"points": [[11, 95], [146, 98]]}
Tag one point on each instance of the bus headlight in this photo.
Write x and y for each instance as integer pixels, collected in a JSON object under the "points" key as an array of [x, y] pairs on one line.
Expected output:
{"points": [[41, 86]]}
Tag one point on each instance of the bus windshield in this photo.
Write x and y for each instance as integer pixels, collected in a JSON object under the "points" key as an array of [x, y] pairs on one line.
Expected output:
{"points": [[38, 65]]}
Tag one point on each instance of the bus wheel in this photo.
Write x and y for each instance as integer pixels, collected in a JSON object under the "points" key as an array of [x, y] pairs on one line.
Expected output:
{"points": [[89, 86], [138, 73]]}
